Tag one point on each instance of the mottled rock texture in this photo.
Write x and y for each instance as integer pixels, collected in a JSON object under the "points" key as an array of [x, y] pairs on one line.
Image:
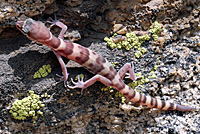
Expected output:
{"points": [[177, 55]]}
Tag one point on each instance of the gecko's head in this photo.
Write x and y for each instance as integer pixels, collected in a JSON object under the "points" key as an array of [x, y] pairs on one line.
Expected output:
{"points": [[34, 30], [25, 26]]}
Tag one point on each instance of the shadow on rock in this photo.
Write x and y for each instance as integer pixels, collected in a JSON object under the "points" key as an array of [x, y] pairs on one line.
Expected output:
{"points": [[25, 65]]}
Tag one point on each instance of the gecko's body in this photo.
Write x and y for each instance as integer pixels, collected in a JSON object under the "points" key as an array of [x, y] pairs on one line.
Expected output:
{"points": [[95, 63]]}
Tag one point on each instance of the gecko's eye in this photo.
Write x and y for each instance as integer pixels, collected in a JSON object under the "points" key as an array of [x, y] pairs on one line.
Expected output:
{"points": [[26, 26], [25, 30]]}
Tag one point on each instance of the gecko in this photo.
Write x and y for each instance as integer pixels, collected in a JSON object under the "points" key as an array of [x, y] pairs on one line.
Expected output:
{"points": [[93, 62]]}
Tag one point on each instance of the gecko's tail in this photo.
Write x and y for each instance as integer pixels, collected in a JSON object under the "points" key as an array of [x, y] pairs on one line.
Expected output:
{"points": [[184, 108], [150, 102]]}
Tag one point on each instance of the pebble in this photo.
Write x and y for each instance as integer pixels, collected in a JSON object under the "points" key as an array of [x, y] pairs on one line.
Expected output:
{"points": [[122, 31], [117, 27]]}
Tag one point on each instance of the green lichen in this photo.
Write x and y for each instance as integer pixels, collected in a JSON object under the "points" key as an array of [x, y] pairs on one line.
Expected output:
{"points": [[140, 82], [155, 37], [133, 41], [133, 84], [111, 90], [155, 29], [110, 42], [27, 107], [113, 63], [138, 54], [80, 76], [123, 99], [105, 88], [138, 74], [155, 67], [40, 113], [146, 80], [143, 50], [118, 94], [43, 71], [144, 38], [45, 95], [152, 75], [42, 105]]}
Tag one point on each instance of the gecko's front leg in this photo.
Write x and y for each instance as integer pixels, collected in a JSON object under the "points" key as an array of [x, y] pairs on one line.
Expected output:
{"points": [[61, 36], [59, 24], [63, 67]]}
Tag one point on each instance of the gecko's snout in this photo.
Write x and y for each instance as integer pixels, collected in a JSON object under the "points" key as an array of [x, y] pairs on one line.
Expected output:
{"points": [[19, 24], [21, 27]]}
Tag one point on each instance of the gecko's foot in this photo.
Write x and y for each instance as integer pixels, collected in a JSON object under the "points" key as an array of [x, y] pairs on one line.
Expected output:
{"points": [[79, 84], [129, 76], [62, 79], [53, 21]]}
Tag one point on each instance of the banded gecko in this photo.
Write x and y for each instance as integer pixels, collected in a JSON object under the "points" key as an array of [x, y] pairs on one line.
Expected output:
{"points": [[95, 63]]}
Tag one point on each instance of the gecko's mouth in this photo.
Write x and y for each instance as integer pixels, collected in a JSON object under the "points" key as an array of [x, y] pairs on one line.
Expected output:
{"points": [[19, 25]]}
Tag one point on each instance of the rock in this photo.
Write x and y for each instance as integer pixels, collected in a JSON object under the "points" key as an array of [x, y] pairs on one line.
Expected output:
{"points": [[73, 3], [117, 27], [122, 31]]}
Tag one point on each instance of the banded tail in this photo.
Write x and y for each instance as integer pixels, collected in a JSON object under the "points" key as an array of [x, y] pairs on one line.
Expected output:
{"points": [[148, 101]]}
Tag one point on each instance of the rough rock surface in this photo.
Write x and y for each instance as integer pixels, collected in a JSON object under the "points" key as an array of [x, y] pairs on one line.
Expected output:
{"points": [[68, 111]]}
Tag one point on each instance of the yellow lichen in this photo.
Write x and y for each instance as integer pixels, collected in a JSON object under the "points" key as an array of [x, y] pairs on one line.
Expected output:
{"points": [[138, 74], [123, 99], [133, 41], [155, 67], [111, 90], [105, 88], [114, 63], [138, 54], [153, 76], [155, 29], [27, 107], [43, 71], [118, 94], [110, 42], [80, 76], [45, 95], [143, 50]]}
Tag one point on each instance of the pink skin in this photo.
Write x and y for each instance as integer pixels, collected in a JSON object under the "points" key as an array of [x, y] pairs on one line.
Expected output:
{"points": [[37, 31], [21, 24], [105, 81], [81, 84], [61, 36]]}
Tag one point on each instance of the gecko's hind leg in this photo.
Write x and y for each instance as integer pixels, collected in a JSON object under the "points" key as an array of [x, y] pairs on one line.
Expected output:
{"points": [[127, 67], [81, 84]]}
